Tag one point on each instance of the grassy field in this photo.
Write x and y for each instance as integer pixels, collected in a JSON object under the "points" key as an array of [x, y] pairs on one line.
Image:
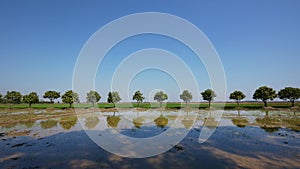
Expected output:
{"points": [[170, 105]]}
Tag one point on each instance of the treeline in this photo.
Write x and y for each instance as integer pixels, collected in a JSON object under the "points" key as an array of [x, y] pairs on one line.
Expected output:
{"points": [[263, 93]]}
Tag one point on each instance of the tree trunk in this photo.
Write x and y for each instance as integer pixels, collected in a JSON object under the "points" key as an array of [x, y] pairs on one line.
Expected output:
{"points": [[209, 104], [160, 104], [93, 104], [114, 105], [265, 103], [29, 104], [293, 103], [70, 105], [238, 103], [186, 104]]}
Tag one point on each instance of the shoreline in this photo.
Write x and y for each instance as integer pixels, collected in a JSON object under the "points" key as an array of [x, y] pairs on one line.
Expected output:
{"points": [[178, 106]]}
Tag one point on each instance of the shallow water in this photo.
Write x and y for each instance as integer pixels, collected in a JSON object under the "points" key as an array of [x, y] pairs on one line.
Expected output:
{"points": [[251, 139]]}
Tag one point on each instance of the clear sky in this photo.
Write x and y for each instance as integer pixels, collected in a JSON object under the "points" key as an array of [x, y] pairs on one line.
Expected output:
{"points": [[258, 42]]}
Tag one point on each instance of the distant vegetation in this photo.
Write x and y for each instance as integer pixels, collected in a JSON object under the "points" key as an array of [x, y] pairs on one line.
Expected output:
{"points": [[138, 96], [208, 95], [237, 96], [51, 95], [160, 97], [147, 105], [264, 93], [14, 99], [289, 93], [31, 98], [186, 96], [93, 97], [70, 97], [113, 97]]}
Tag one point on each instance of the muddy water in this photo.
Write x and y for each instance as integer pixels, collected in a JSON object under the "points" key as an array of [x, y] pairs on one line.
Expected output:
{"points": [[246, 139]]}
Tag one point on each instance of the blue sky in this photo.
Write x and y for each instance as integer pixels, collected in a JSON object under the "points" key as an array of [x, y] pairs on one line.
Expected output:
{"points": [[257, 41]]}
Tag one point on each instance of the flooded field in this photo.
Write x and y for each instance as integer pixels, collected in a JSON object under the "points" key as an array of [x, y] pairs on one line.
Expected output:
{"points": [[60, 139]]}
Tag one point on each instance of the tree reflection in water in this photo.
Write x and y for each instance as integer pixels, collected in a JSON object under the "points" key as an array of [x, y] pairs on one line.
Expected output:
{"points": [[274, 123], [28, 124], [91, 122], [48, 124], [240, 121], [269, 123], [161, 121], [68, 122], [188, 120], [138, 121], [113, 120], [210, 122]]}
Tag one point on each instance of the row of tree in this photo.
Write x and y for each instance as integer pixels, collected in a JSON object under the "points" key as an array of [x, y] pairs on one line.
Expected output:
{"points": [[263, 93], [14, 97], [266, 93]]}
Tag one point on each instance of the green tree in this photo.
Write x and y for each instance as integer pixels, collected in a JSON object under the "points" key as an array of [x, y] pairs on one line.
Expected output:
{"points": [[237, 96], [70, 97], [160, 97], [208, 95], [186, 96], [113, 97], [289, 93], [51, 95], [264, 93], [31, 98], [13, 97], [138, 96], [93, 97]]}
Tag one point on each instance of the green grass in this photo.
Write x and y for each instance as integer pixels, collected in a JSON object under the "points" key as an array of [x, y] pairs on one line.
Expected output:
{"points": [[170, 105]]}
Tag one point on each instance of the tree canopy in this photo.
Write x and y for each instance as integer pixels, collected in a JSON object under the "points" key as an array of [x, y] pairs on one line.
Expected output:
{"points": [[51, 95], [138, 96], [237, 95], [31, 98], [113, 97], [208, 95], [160, 97], [289, 93], [93, 97], [70, 97], [13, 97], [186, 96], [264, 93]]}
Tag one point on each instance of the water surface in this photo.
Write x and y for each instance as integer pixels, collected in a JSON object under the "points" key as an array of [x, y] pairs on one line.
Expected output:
{"points": [[246, 139]]}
